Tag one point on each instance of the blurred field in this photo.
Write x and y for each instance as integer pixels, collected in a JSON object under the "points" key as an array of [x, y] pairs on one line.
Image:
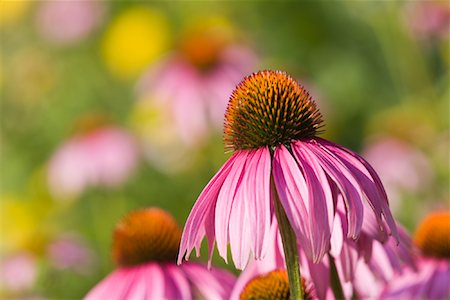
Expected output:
{"points": [[109, 106]]}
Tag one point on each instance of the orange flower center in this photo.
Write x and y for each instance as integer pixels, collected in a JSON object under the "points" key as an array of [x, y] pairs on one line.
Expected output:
{"points": [[433, 235], [202, 48], [269, 108], [273, 285], [89, 123], [146, 235]]}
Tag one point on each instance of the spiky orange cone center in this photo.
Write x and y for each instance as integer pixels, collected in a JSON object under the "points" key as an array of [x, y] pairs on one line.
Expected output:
{"points": [[269, 108], [273, 286], [146, 235]]}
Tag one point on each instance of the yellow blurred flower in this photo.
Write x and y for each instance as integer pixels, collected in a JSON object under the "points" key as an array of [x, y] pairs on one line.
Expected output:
{"points": [[12, 11], [18, 222], [134, 39]]}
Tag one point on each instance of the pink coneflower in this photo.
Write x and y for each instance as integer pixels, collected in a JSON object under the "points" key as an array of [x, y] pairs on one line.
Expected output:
{"points": [[97, 155], [70, 252], [192, 83], [280, 166], [431, 278], [18, 272], [145, 248], [402, 168], [429, 19], [66, 22]]}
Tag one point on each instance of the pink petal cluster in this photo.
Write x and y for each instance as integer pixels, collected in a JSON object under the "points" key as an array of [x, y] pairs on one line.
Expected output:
{"points": [[164, 281], [357, 262], [18, 272], [196, 99], [429, 19], [103, 157], [71, 252], [429, 281], [311, 179], [66, 22]]}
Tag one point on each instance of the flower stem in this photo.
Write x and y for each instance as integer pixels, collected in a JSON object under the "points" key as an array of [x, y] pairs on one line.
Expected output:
{"points": [[335, 282], [290, 249]]}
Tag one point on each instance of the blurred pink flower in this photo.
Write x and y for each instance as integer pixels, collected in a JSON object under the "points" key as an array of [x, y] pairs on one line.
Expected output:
{"points": [[18, 272], [400, 167], [145, 245], [66, 22], [194, 82], [104, 156], [431, 281], [429, 18], [271, 124], [71, 252]]}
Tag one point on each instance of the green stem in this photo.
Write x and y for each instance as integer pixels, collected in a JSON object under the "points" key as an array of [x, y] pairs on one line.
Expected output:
{"points": [[335, 282], [290, 249]]}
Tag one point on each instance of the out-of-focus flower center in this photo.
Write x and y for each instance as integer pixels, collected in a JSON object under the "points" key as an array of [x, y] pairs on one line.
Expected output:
{"points": [[146, 235], [202, 48], [433, 235], [90, 123], [269, 108]]}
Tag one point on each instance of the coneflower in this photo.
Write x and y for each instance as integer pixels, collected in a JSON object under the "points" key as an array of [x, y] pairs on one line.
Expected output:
{"points": [[280, 166], [145, 248], [431, 278]]}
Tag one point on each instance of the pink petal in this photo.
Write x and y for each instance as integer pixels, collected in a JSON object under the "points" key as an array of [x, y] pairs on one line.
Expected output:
{"points": [[154, 277], [211, 284], [115, 286], [320, 198], [225, 200], [240, 231], [257, 198], [293, 194], [347, 185], [369, 181], [177, 285], [139, 287], [202, 212]]}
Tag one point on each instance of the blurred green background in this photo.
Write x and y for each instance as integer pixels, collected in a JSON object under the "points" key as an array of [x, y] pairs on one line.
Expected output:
{"points": [[74, 73]]}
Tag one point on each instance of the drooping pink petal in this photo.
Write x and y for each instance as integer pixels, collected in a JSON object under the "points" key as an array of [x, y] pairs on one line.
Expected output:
{"points": [[225, 199], [346, 184], [337, 237], [320, 198], [115, 286], [293, 194], [211, 284], [177, 285], [318, 273], [257, 196], [194, 229], [154, 277], [369, 181], [139, 288]]}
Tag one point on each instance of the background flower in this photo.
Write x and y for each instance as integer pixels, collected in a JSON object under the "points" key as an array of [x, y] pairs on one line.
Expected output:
{"points": [[103, 156], [65, 22]]}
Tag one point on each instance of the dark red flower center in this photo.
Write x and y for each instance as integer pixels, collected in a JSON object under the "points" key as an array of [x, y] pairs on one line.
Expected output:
{"points": [[146, 235], [269, 108]]}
